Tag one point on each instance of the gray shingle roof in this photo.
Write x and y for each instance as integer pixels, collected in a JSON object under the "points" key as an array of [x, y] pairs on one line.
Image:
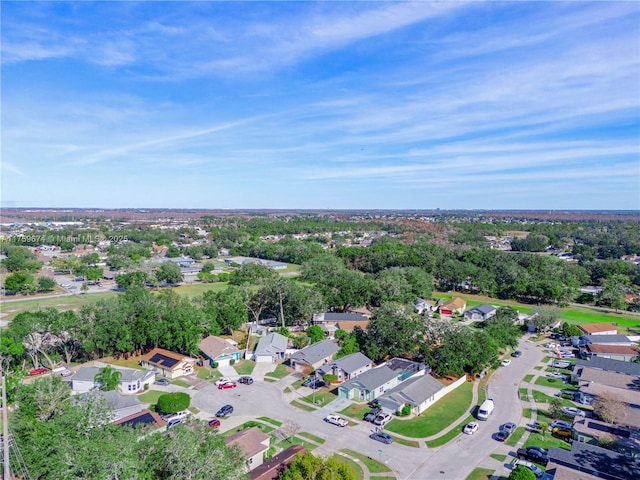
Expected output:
{"points": [[605, 339], [371, 379], [316, 352], [131, 375], [118, 401], [628, 368], [483, 309], [595, 460], [415, 390], [354, 317], [85, 374], [352, 362], [271, 344]]}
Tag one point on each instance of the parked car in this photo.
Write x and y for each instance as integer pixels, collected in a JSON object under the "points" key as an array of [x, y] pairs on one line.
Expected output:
{"points": [[506, 362], [224, 411], [566, 354], [470, 428], [173, 422], [162, 381], [533, 454], [561, 364], [336, 420], [224, 386], [317, 384], [573, 411], [557, 375], [516, 354], [502, 435], [560, 424], [563, 432], [245, 380], [38, 371], [214, 423], [381, 437], [371, 416], [508, 427], [537, 471], [222, 380], [382, 419]]}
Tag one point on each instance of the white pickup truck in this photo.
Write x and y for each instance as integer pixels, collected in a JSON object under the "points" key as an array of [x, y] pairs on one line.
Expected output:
{"points": [[336, 420]]}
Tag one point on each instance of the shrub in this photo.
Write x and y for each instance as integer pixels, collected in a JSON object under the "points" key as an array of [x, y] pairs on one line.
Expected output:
{"points": [[214, 364], [330, 378], [232, 361], [405, 411], [173, 402]]}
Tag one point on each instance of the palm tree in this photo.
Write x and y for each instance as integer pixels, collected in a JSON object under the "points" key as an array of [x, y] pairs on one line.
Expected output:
{"points": [[109, 378]]}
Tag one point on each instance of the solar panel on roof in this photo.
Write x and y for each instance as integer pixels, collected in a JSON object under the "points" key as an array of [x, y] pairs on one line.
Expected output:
{"points": [[163, 360], [140, 420]]}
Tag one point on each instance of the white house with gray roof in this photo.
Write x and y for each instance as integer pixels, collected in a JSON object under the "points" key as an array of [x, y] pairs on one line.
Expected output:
{"points": [[369, 385], [132, 381], [84, 379], [481, 312], [419, 392], [314, 355], [348, 367], [271, 348], [123, 405]]}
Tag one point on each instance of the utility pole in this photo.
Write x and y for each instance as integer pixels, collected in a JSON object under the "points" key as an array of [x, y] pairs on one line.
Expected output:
{"points": [[5, 431]]}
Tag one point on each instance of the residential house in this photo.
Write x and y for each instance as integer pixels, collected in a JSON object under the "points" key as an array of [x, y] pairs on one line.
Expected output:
{"points": [[347, 367], [618, 340], [272, 468], [599, 329], [585, 459], [134, 381], [143, 419], [83, 380], [481, 312], [419, 392], [253, 442], [615, 352], [219, 350], [168, 364], [589, 430], [454, 306], [314, 355], [424, 307], [369, 385], [122, 405], [271, 348]]}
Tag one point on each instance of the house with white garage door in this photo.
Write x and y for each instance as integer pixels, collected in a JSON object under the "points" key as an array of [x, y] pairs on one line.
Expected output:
{"points": [[271, 348], [219, 350]]}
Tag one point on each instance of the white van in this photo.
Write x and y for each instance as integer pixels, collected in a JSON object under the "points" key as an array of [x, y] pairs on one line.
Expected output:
{"points": [[485, 409]]}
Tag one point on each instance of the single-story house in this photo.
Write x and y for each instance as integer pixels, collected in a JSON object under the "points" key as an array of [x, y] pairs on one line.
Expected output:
{"points": [[419, 392], [481, 312], [584, 458], [123, 405], [271, 348], [168, 364], [424, 307], [455, 305], [369, 385], [615, 352], [84, 379], [253, 442], [347, 367], [609, 365], [336, 317], [590, 430], [314, 355], [219, 350], [143, 419], [599, 329], [133, 381], [621, 340], [271, 469]]}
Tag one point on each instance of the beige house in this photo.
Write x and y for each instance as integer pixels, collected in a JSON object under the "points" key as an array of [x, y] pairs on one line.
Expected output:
{"points": [[219, 350], [168, 364], [253, 442]]}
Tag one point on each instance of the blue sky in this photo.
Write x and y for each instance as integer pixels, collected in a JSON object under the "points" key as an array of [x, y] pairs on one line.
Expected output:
{"points": [[478, 105]]}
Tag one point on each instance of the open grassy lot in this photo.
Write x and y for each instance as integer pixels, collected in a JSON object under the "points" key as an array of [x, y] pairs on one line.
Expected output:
{"points": [[480, 474], [281, 371], [68, 302], [196, 289], [244, 367], [372, 465], [353, 466], [438, 416]]}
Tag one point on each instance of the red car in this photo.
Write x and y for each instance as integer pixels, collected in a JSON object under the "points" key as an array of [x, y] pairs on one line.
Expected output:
{"points": [[214, 423], [227, 385], [39, 371]]}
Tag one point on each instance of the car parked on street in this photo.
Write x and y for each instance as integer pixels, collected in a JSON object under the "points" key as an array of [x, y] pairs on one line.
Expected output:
{"points": [[508, 427], [224, 411], [227, 385], [470, 428], [501, 436], [516, 354], [245, 380], [506, 362], [573, 411], [533, 454], [222, 380], [336, 420], [214, 423], [381, 437]]}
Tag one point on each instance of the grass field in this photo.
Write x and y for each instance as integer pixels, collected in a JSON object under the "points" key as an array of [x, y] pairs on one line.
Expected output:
{"points": [[312, 437], [355, 410], [322, 397], [513, 439], [554, 383], [438, 416], [244, 367], [302, 406], [372, 465], [546, 441], [480, 474], [150, 397], [451, 434], [281, 371], [498, 457], [69, 302]]}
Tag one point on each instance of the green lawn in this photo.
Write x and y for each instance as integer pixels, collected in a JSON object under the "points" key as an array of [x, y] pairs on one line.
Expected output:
{"points": [[554, 383], [353, 466], [437, 417], [498, 457], [355, 410], [250, 423], [404, 441], [180, 383], [541, 397], [281, 371], [302, 406], [515, 437], [277, 423], [69, 302], [150, 396], [296, 441], [131, 362], [527, 413], [322, 397], [546, 441], [480, 474], [244, 367], [527, 378], [197, 289], [372, 465], [312, 437], [451, 434], [205, 373]]}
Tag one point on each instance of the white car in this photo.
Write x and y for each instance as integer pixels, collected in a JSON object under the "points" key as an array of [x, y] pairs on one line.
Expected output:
{"points": [[506, 362], [552, 346], [573, 411], [470, 428], [222, 381], [534, 468], [382, 419], [336, 420], [557, 375]]}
